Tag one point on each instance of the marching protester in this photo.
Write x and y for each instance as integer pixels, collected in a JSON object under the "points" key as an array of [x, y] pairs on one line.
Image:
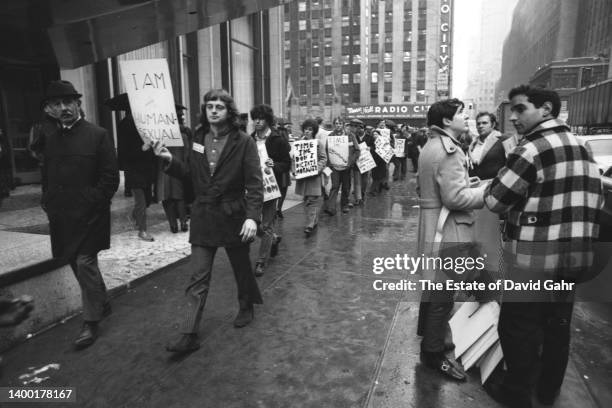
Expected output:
{"points": [[379, 173], [140, 168], [277, 148], [80, 176], [359, 181], [400, 159], [224, 167], [341, 170], [551, 192], [310, 187], [175, 192], [445, 220]]}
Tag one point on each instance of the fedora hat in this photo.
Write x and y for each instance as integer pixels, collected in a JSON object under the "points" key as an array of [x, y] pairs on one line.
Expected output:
{"points": [[60, 89]]}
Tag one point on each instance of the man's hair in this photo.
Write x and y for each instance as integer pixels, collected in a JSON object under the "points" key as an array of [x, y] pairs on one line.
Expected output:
{"points": [[537, 96], [311, 123], [319, 120], [233, 115], [446, 108], [264, 112], [491, 116], [338, 119]]}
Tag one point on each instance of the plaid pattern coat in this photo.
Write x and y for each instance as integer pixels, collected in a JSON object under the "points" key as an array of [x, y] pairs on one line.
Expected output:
{"points": [[551, 191]]}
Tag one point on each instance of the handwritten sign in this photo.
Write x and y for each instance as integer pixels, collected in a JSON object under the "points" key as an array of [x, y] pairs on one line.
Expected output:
{"points": [[383, 148], [365, 161], [151, 100], [306, 164], [338, 151], [399, 147], [270, 186]]}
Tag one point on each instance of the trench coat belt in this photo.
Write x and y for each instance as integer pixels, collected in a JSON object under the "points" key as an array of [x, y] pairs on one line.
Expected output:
{"points": [[429, 203]]}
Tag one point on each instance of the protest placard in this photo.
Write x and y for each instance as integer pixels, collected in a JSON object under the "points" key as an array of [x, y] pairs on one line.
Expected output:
{"points": [[383, 148], [338, 151], [306, 164], [151, 100], [399, 147], [365, 162], [270, 186]]}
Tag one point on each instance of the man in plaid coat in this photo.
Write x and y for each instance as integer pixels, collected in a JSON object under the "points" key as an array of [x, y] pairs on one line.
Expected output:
{"points": [[550, 190]]}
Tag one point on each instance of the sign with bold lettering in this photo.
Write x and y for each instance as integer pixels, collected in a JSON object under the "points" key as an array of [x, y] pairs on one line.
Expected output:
{"points": [[338, 151], [403, 111], [383, 148], [445, 48], [306, 164], [365, 161], [270, 186], [151, 100]]}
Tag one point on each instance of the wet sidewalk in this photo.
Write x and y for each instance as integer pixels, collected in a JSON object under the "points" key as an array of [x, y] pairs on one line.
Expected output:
{"points": [[323, 337]]}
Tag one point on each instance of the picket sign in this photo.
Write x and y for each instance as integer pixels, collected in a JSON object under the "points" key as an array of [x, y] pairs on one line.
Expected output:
{"points": [[270, 186], [383, 148], [151, 99], [399, 147], [365, 162], [338, 151], [306, 164]]}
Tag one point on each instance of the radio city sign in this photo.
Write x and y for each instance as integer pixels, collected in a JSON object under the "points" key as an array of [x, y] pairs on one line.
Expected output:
{"points": [[403, 111], [445, 43]]}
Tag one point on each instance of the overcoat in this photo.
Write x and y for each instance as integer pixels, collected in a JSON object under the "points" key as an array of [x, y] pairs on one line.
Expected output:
{"points": [[226, 198], [311, 186], [443, 180], [278, 149], [80, 176]]}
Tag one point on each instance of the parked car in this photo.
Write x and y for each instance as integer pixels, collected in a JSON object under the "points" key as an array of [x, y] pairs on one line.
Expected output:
{"points": [[601, 149]]}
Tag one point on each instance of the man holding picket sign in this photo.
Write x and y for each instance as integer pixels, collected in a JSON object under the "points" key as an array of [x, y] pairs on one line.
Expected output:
{"points": [[274, 149]]}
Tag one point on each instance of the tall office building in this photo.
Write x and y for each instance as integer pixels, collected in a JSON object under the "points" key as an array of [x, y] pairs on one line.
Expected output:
{"points": [[544, 31], [486, 53], [349, 53]]}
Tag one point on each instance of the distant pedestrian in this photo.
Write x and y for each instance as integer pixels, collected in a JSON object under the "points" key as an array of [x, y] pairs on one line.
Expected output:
{"points": [[224, 167], [80, 176]]}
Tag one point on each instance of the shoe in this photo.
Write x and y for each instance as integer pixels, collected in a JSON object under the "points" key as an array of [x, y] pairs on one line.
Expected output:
{"points": [[386, 186], [174, 229], [186, 344], [245, 314], [87, 336], [500, 394], [350, 205], [371, 193], [359, 203], [444, 365], [144, 235], [279, 214], [184, 226], [259, 269], [274, 248], [329, 212], [345, 210]]}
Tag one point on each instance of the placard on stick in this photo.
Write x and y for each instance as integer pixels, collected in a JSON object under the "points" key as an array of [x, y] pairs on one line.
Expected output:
{"points": [[151, 99]]}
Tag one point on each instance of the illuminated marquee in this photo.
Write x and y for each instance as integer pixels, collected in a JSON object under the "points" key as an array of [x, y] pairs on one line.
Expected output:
{"points": [[405, 111]]}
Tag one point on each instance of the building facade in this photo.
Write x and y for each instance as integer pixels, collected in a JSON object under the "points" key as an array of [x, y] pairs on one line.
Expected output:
{"points": [[342, 54], [549, 30]]}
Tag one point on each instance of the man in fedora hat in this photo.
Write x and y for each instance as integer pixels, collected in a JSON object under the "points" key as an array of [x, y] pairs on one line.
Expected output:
{"points": [[80, 176]]}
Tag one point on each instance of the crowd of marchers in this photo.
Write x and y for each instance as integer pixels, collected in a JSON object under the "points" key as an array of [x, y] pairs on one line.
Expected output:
{"points": [[544, 184]]}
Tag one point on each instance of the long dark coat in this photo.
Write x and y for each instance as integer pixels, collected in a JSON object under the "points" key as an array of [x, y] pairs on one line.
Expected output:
{"points": [[225, 199], [278, 149], [80, 176]]}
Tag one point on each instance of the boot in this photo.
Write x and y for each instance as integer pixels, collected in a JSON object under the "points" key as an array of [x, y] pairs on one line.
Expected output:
{"points": [[245, 314]]}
